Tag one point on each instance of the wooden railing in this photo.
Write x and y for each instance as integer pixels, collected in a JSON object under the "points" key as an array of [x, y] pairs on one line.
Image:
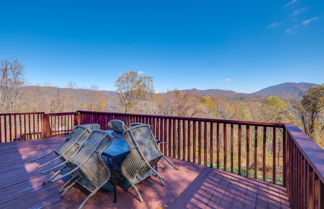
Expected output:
{"points": [[60, 123], [280, 153], [305, 169], [35, 125], [20, 126]]}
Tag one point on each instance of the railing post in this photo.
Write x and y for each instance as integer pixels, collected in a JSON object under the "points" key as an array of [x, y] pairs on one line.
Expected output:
{"points": [[77, 118], [46, 126]]}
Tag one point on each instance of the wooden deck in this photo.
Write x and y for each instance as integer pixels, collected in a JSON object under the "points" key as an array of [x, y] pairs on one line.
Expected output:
{"points": [[193, 186]]}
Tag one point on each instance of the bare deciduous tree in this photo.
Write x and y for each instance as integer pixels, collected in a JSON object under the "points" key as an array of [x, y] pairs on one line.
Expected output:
{"points": [[11, 80]]}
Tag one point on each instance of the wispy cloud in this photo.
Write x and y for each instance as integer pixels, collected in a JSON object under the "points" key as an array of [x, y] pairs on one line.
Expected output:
{"points": [[298, 11], [307, 21], [290, 31], [293, 21], [140, 72], [273, 25], [228, 80], [291, 3]]}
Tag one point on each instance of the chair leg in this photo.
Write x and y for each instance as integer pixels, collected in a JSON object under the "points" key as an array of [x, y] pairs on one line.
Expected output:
{"points": [[66, 183], [160, 165], [54, 168], [65, 175], [55, 174], [90, 195], [49, 162], [162, 182], [67, 188], [166, 159], [38, 158], [138, 193], [156, 174]]}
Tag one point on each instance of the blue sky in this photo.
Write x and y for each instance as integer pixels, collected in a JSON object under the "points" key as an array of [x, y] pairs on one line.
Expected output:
{"points": [[238, 45]]}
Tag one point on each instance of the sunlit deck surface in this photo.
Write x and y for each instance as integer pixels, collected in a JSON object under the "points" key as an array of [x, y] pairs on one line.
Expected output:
{"points": [[193, 186]]}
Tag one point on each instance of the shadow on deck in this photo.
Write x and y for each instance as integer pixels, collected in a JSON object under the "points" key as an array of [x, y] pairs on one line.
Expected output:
{"points": [[193, 186]]}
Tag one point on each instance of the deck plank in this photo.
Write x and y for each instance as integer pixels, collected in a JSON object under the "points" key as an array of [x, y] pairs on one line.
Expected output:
{"points": [[193, 186]]}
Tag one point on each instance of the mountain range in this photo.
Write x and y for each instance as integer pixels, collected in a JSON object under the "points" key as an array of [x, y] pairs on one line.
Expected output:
{"points": [[288, 90]]}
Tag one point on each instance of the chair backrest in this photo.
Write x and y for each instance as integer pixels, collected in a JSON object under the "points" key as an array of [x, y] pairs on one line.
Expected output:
{"points": [[117, 125], [135, 124], [93, 167], [142, 137], [75, 139]]}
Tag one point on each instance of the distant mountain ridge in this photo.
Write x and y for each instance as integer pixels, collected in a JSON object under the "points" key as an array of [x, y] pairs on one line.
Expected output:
{"points": [[287, 90], [51, 89]]}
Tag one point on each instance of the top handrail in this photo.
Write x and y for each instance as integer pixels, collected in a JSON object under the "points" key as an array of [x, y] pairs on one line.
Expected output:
{"points": [[60, 113], [22, 113], [191, 118]]}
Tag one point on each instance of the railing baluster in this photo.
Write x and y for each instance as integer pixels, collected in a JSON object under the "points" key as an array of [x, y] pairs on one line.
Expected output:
{"points": [[37, 127], [178, 139], [239, 149], [194, 141], [306, 185], [205, 143], [264, 152], [321, 195], [298, 176], [255, 152], [217, 145], [1, 130], [174, 138], [169, 138], [247, 150], [199, 142], [232, 147], [15, 126], [211, 145], [165, 136], [302, 176], [5, 127], [10, 129], [310, 187], [274, 151], [225, 146], [189, 142], [159, 125], [285, 160], [34, 124], [20, 126], [25, 124], [184, 139]]}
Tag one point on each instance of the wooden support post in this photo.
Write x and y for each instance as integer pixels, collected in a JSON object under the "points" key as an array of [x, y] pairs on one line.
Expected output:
{"points": [[46, 126], [77, 118]]}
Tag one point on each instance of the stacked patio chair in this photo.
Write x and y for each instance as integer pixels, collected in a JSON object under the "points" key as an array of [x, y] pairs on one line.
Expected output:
{"points": [[86, 167], [118, 126], [143, 157], [69, 147]]}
